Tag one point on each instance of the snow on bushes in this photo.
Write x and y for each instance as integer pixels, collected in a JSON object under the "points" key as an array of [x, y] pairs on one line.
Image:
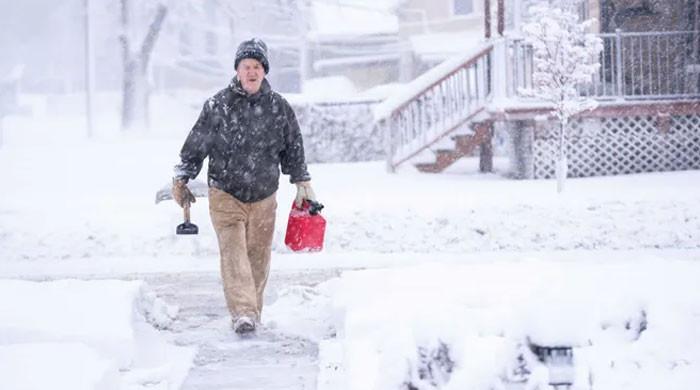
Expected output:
{"points": [[604, 324]]}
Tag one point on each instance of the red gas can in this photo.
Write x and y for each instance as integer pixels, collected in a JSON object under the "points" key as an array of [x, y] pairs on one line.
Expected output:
{"points": [[305, 228]]}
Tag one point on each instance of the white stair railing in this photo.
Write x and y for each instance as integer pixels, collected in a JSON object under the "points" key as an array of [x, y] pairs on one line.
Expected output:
{"points": [[435, 104]]}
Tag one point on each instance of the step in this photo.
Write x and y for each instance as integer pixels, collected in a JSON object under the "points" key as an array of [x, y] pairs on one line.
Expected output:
{"points": [[443, 159], [465, 143], [429, 168], [446, 157]]}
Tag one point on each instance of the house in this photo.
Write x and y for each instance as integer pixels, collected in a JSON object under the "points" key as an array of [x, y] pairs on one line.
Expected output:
{"points": [[438, 30], [368, 43], [389, 41], [648, 118], [199, 39]]}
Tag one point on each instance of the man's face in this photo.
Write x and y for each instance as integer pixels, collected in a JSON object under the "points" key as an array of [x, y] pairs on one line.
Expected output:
{"points": [[251, 74]]}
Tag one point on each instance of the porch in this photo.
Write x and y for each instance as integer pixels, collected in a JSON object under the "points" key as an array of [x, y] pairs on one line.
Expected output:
{"points": [[648, 119]]}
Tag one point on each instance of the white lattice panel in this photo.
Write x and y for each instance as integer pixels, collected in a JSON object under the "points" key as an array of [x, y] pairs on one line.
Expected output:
{"points": [[621, 145]]}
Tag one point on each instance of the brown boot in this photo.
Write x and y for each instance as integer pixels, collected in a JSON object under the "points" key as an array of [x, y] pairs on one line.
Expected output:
{"points": [[244, 325]]}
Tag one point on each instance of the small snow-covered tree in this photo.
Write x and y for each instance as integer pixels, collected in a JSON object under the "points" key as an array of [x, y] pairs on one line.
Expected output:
{"points": [[565, 56]]}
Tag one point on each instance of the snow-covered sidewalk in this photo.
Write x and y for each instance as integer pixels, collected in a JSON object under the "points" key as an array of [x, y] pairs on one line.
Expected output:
{"points": [[465, 305], [120, 334], [273, 359]]}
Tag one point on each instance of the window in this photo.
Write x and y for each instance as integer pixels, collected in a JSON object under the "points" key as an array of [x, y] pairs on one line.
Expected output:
{"points": [[462, 7]]}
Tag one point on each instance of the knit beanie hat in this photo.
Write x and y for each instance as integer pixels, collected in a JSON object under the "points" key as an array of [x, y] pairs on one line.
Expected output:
{"points": [[254, 48]]}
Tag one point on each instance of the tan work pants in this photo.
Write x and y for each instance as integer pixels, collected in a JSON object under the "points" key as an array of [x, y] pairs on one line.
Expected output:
{"points": [[244, 231]]}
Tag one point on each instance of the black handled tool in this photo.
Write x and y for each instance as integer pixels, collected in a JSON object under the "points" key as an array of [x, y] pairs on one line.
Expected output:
{"points": [[187, 227]]}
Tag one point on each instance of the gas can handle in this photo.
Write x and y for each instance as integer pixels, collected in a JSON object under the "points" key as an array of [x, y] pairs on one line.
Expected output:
{"points": [[312, 206]]}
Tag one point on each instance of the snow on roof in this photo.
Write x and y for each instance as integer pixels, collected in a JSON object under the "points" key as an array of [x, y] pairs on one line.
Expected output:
{"points": [[332, 87], [437, 47], [353, 17]]}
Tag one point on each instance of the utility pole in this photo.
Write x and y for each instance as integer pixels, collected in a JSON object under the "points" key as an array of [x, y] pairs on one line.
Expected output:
{"points": [[501, 20], [304, 49], [487, 19], [89, 71]]}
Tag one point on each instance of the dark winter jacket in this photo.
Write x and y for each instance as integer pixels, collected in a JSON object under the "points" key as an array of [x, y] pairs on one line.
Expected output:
{"points": [[247, 138]]}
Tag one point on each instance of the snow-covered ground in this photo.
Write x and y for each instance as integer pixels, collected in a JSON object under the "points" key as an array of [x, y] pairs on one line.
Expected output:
{"points": [[73, 334], [631, 323], [450, 274], [96, 200]]}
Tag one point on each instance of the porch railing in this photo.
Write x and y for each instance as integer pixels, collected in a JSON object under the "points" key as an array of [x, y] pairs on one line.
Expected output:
{"points": [[634, 65], [436, 104]]}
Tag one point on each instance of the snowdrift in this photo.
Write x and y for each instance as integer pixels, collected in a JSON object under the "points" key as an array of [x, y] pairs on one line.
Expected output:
{"points": [[73, 334]]}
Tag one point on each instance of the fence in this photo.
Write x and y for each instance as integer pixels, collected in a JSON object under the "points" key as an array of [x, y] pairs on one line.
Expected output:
{"points": [[634, 65], [621, 145], [340, 131]]}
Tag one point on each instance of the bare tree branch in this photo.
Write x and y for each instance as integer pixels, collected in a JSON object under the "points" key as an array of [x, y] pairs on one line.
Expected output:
{"points": [[123, 39], [153, 31]]}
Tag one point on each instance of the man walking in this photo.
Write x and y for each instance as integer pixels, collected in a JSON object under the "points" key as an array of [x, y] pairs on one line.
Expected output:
{"points": [[248, 131]]}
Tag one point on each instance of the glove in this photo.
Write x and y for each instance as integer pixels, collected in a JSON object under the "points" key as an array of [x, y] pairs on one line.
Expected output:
{"points": [[182, 195], [304, 191]]}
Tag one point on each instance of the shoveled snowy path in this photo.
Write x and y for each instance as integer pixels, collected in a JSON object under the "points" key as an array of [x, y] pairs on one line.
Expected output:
{"points": [[271, 360], [277, 358]]}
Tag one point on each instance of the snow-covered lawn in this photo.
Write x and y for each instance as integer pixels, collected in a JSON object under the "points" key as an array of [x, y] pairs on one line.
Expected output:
{"points": [[464, 271], [96, 200]]}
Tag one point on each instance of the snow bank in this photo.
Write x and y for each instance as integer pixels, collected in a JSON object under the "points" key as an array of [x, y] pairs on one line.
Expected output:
{"points": [[328, 88], [353, 18], [303, 311], [437, 47], [86, 335], [64, 365], [632, 325]]}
